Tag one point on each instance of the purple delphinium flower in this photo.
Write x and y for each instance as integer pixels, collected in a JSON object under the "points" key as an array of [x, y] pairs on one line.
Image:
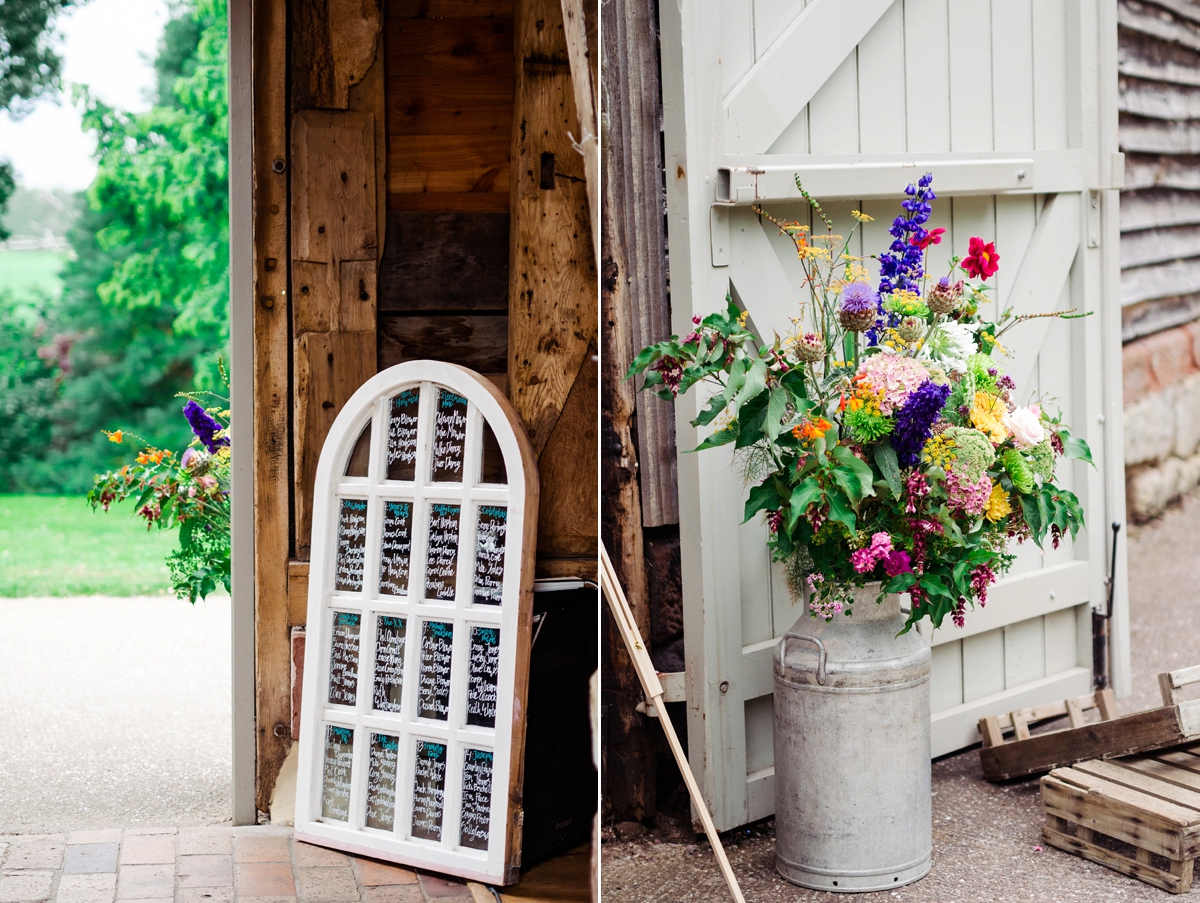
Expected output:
{"points": [[914, 421], [204, 426], [900, 267]]}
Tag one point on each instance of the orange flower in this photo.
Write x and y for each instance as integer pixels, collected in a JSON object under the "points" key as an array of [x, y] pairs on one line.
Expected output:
{"points": [[811, 430], [113, 437]]}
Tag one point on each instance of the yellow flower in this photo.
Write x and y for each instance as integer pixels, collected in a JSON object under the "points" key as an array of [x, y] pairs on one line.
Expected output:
{"points": [[742, 318], [113, 437], [862, 217], [939, 451], [998, 506], [986, 412]]}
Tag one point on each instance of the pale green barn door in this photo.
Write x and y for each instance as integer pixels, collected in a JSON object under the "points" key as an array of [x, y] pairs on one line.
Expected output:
{"points": [[1012, 106]]}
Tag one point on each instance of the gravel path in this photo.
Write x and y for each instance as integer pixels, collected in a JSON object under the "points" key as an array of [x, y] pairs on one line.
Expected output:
{"points": [[985, 838], [113, 712]]}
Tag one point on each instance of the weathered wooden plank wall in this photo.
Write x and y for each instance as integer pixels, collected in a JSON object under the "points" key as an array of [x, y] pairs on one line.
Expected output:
{"points": [[444, 275], [1159, 101]]}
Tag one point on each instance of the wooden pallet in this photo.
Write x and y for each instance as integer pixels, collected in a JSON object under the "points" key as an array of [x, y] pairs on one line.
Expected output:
{"points": [[1175, 723], [1150, 803]]}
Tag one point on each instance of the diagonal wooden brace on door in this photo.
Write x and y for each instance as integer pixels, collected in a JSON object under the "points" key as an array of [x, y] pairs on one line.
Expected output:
{"points": [[793, 69], [1040, 280]]}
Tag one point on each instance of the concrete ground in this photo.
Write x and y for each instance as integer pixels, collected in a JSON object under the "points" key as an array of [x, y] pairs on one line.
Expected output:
{"points": [[986, 838], [114, 712]]}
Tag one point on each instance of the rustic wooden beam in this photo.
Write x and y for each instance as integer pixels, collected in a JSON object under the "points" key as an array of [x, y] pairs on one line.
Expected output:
{"points": [[634, 191], [334, 262], [272, 472], [552, 329], [579, 27]]}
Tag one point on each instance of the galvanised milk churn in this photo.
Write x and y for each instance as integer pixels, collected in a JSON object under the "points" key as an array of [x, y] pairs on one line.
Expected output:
{"points": [[852, 778]]}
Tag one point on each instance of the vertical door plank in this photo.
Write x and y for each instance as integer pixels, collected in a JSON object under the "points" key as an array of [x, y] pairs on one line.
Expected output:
{"points": [[927, 75], [1012, 74], [760, 733], [1024, 652], [1062, 640], [737, 41], [272, 465], [1050, 75], [833, 125], [754, 569], [970, 75], [946, 682], [982, 665], [881, 88]]}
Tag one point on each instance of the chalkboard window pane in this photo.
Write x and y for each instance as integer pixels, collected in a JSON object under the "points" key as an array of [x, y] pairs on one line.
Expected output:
{"points": [[476, 799], [395, 548], [402, 435], [335, 780], [482, 674], [433, 696], [429, 787], [381, 782], [343, 659], [441, 556], [359, 458], [351, 546], [449, 437], [491, 530], [491, 462], [390, 636]]}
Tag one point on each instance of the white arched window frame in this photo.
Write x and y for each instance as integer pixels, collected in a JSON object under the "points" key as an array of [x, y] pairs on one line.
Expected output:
{"points": [[374, 739]]}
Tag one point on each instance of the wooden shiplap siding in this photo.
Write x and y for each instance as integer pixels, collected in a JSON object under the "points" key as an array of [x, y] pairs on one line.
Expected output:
{"points": [[1159, 99]]}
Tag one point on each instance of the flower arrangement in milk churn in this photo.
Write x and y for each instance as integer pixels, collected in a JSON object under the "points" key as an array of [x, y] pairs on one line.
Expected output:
{"points": [[890, 456]]}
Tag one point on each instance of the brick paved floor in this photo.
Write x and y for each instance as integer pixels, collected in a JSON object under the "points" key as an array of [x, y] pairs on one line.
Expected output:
{"points": [[206, 865]]}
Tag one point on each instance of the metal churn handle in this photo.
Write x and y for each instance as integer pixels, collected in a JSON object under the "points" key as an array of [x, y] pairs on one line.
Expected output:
{"points": [[820, 647]]}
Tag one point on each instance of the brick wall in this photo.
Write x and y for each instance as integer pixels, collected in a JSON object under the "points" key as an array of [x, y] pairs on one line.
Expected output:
{"points": [[1162, 418]]}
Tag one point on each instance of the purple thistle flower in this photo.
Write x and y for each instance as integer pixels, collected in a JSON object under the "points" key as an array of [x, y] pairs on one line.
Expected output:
{"points": [[204, 426], [914, 421]]}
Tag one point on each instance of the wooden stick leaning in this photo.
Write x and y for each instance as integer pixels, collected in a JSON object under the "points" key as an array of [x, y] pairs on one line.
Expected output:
{"points": [[654, 692]]}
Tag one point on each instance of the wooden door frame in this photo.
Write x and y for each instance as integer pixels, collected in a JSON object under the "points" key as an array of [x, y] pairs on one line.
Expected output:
{"points": [[241, 391]]}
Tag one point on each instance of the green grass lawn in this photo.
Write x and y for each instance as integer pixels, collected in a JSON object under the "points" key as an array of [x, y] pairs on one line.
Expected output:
{"points": [[24, 271], [56, 546]]}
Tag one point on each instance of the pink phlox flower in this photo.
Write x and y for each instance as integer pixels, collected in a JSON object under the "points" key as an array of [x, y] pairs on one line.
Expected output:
{"points": [[868, 556]]}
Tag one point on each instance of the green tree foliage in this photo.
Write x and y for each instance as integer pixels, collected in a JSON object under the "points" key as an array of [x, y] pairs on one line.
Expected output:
{"points": [[29, 67], [143, 314]]}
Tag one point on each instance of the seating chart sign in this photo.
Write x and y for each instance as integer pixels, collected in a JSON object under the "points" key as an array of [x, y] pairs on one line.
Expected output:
{"points": [[420, 587]]}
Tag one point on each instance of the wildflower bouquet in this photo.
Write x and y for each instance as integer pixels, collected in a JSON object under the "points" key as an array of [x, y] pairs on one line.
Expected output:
{"points": [[882, 436], [190, 491]]}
